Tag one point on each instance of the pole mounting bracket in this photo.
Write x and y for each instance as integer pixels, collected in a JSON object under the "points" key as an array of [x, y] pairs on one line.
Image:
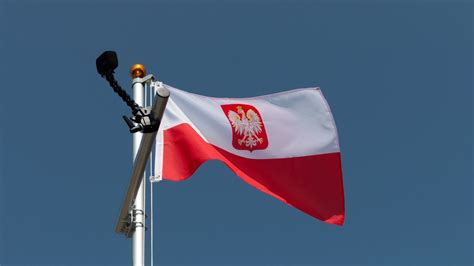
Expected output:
{"points": [[130, 224]]}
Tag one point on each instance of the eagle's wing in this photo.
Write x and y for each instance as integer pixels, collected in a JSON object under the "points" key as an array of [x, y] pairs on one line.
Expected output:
{"points": [[255, 126], [237, 124]]}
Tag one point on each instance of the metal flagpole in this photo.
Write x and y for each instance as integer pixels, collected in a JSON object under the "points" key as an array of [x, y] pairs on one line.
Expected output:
{"points": [[138, 72]]}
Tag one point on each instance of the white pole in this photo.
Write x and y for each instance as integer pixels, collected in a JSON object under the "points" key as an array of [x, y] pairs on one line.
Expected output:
{"points": [[139, 204]]}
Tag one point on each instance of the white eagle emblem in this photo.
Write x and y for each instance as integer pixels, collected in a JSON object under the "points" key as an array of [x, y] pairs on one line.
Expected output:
{"points": [[246, 125]]}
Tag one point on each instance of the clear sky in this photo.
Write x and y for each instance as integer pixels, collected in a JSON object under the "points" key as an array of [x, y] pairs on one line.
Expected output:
{"points": [[397, 75]]}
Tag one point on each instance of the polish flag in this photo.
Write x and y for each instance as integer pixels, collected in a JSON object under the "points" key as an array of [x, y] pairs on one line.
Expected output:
{"points": [[284, 144]]}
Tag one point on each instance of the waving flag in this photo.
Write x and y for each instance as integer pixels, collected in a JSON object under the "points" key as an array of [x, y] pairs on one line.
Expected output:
{"points": [[284, 144]]}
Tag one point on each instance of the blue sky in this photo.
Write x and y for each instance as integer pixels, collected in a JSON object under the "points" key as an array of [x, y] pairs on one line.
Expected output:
{"points": [[397, 75]]}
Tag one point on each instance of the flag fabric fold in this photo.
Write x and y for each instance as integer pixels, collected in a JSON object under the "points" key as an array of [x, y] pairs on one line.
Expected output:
{"points": [[284, 144]]}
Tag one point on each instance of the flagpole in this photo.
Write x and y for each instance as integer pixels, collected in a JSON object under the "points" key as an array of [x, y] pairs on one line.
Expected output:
{"points": [[137, 72]]}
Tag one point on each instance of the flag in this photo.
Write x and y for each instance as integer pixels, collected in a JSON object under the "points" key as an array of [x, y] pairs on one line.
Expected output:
{"points": [[284, 144]]}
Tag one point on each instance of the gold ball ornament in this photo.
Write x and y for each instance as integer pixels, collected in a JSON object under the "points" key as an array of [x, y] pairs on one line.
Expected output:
{"points": [[137, 71]]}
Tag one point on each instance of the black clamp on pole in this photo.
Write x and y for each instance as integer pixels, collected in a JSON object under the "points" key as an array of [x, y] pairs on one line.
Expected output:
{"points": [[141, 121]]}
